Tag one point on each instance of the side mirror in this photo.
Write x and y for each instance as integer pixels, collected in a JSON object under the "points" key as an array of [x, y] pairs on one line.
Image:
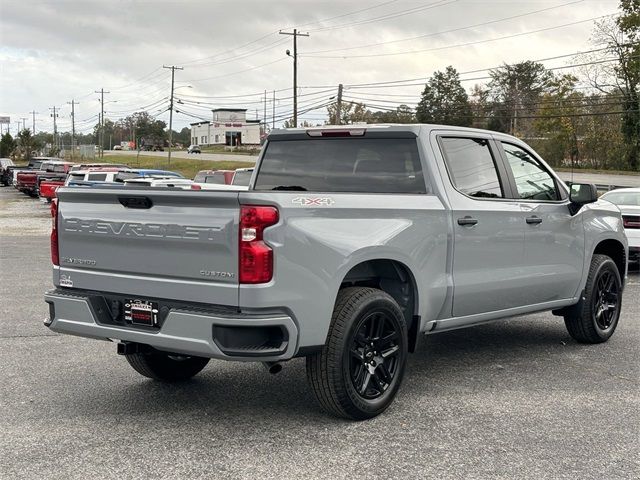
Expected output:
{"points": [[580, 194]]}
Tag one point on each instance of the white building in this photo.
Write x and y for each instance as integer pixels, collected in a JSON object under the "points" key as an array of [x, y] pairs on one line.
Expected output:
{"points": [[228, 127]]}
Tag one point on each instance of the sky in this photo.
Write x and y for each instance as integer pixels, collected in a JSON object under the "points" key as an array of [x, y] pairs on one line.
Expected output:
{"points": [[53, 52]]}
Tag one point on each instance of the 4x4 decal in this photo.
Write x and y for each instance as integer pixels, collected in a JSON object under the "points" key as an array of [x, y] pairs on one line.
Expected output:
{"points": [[314, 201]]}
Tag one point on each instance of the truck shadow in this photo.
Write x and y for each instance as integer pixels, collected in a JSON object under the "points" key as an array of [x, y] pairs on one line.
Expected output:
{"points": [[488, 357]]}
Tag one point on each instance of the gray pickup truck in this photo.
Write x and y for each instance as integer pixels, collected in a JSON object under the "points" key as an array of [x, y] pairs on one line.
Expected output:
{"points": [[349, 243]]}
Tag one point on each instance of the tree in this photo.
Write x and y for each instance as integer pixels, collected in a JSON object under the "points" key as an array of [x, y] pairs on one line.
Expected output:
{"points": [[7, 145], [26, 143], [515, 91], [444, 100], [621, 40], [557, 121]]}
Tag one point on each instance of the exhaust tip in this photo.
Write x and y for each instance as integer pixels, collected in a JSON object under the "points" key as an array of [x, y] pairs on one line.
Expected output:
{"points": [[273, 367]]}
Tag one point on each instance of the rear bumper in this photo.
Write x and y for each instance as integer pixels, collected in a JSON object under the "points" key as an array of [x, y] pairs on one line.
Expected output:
{"points": [[225, 336]]}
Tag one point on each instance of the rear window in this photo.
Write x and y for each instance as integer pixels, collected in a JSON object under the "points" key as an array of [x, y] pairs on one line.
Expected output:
{"points": [[217, 178], [97, 177], [242, 178], [359, 165]]}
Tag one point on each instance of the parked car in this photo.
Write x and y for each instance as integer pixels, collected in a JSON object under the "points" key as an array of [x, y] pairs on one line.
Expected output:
{"points": [[87, 176], [5, 176], [34, 164], [144, 173], [350, 243], [117, 147], [221, 177], [628, 201], [194, 149], [159, 181], [28, 182], [84, 166], [218, 186]]}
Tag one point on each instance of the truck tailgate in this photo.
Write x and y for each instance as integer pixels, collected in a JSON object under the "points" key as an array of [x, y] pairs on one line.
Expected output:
{"points": [[172, 244]]}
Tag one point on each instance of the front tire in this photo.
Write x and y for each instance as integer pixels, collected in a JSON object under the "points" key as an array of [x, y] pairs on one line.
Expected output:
{"points": [[360, 368], [166, 367], [596, 317]]}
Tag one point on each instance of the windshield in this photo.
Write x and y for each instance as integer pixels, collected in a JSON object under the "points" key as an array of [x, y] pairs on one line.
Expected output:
{"points": [[623, 198]]}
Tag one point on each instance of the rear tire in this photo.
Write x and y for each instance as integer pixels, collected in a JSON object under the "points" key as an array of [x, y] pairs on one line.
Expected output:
{"points": [[596, 317], [359, 370], [166, 367]]}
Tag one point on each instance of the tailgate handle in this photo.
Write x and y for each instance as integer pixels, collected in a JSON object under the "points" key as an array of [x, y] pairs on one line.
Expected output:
{"points": [[135, 202]]}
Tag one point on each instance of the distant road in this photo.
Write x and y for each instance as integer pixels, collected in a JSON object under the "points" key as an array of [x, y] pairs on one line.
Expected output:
{"points": [[602, 179], [184, 154]]}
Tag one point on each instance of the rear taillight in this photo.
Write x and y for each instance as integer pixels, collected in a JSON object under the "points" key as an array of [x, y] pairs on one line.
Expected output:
{"points": [[195, 187], [255, 256], [55, 257], [631, 222]]}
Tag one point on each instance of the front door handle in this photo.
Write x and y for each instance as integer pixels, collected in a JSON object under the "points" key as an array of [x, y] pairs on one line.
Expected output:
{"points": [[534, 220], [467, 221]]}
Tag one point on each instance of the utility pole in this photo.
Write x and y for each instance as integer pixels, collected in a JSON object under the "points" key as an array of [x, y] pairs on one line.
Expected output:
{"points": [[101, 92], [295, 35], [339, 106], [33, 125], [515, 111], [173, 72], [273, 108], [24, 123], [55, 127], [73, 103]]}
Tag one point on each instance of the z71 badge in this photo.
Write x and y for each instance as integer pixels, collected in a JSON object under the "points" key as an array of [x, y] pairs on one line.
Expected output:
{"points": [[314, 201]]}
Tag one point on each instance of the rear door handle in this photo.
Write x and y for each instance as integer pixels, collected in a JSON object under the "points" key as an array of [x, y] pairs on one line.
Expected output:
{"points": [[534, 220], [464, 221]]}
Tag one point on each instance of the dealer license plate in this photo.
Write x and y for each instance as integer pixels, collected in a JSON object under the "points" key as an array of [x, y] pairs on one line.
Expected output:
{"points": [[141, 312]]}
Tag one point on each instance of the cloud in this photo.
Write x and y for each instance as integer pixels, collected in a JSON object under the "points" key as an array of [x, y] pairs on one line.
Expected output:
{"points": [[55, 51]]}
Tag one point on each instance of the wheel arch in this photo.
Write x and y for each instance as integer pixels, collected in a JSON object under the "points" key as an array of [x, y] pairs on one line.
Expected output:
{"points": [[396, 279], [615, 250]]}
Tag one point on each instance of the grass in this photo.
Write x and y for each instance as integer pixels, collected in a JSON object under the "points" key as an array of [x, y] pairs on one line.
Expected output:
{"points": [[188, 168], [219, 149]]}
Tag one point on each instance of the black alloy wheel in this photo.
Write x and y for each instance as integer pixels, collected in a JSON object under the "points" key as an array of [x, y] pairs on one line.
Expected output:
{"points": [[595, 317], [605, 304], [374, 351], [359, 370]]}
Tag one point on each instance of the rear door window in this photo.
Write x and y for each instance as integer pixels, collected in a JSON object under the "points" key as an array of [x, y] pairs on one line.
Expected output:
{"points": [[471, 166], [359, 165]]}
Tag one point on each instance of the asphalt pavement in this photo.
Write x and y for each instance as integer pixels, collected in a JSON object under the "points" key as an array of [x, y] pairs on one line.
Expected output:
{"points": [[514, 399]]}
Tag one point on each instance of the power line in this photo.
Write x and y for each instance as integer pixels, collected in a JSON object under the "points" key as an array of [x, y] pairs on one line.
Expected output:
{"points": [[427, 35], [476, 42], [401, 13]]}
